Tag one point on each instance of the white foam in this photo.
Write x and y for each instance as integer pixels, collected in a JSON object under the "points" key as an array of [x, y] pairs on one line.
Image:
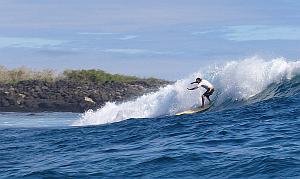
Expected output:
{"points": [[232, 80]]}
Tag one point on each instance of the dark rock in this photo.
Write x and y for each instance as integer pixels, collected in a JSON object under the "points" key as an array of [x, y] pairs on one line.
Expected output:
{"points": [[67, 96], [4, 103]]}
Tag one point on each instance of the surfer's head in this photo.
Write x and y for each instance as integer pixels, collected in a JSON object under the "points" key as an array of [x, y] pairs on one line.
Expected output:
{"points": [[198, 80]]}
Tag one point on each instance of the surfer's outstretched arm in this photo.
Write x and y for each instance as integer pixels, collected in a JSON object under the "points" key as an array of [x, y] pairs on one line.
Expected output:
{"points": [[193, 88]]}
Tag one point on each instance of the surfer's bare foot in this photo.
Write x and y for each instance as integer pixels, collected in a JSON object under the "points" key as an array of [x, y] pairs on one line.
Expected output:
{"points": [[202, 106]]}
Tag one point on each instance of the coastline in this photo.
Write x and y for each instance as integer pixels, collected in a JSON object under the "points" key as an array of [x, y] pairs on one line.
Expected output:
{"points": [[70, 96]]}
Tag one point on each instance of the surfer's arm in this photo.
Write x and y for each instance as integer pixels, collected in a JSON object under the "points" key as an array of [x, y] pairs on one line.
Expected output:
{"points": [[193, 88]]}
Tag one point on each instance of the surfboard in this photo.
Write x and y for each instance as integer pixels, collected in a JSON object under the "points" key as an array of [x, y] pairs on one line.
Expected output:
{"points": [[195, 110]]}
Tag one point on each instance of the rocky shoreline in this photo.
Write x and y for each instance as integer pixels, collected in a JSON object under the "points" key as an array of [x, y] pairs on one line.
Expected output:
{"points": [[69, 96]]}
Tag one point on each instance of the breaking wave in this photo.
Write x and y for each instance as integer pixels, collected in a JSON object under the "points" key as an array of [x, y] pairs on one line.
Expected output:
{"points": [[236, 82]]}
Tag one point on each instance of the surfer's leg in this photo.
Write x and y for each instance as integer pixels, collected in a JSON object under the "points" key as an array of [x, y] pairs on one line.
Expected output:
{"points": [[202, 101], [208, 99]]}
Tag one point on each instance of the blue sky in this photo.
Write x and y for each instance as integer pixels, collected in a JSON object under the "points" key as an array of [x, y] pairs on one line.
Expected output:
{"points": [[160, 38]]}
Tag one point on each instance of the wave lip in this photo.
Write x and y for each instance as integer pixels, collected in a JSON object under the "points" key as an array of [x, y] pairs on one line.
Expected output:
{"points": [[234, 81]]}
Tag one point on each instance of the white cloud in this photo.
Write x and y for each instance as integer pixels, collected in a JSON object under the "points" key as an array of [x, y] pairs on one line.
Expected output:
{"points": [[128, 37], [28, 42], [131, 51], [254, 32], [97, 33], [258, 32], [203, 32]]}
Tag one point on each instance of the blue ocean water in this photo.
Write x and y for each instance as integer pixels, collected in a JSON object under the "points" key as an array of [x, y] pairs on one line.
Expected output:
{"points": [[254, 138]]}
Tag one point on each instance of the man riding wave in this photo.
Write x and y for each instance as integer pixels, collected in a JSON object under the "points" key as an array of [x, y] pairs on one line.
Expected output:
{"points": [[206, 85]]}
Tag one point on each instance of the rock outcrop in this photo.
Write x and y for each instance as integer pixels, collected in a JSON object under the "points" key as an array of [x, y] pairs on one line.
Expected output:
{"points": [[69, 96]]}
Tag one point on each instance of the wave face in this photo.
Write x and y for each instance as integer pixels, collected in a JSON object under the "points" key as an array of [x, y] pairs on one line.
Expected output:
{"points": [[236, 83], [257, 140]]}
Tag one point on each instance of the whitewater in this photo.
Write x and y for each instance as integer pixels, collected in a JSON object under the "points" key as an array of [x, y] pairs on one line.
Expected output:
{"points": [[235, 82]]}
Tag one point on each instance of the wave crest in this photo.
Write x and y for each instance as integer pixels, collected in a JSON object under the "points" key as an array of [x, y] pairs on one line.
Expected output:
{"points": [[234, 81]]}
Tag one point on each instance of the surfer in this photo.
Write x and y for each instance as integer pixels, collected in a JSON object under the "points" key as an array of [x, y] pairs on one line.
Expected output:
{"points": [[206, 85]]}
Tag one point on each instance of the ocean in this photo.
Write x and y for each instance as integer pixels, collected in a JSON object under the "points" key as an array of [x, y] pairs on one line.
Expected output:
{"points": [[252, 131]]}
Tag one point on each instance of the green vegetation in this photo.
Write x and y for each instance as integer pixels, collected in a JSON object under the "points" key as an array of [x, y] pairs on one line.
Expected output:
{"points": [[23, 73], [96, 76]]}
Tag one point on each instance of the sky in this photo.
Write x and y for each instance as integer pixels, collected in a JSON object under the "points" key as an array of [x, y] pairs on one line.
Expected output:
{"points": [[167, 39]]}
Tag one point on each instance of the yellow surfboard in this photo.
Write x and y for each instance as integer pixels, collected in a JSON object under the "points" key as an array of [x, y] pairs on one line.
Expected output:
{"points": [[195, 110]]}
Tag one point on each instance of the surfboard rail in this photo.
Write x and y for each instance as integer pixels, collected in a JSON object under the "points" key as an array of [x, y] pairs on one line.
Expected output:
{"points": [[195, 110]]}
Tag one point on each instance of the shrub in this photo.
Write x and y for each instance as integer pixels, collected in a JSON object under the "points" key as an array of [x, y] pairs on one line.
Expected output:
{"points": [[98, 76], [23, 73]]}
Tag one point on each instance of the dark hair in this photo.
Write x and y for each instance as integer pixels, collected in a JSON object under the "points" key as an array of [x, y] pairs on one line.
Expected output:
{"points": [[198, 79]]}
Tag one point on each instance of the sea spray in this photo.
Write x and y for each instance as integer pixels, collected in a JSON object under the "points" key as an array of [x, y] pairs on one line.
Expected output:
{"points": [[234, 81], [168, 100]]}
